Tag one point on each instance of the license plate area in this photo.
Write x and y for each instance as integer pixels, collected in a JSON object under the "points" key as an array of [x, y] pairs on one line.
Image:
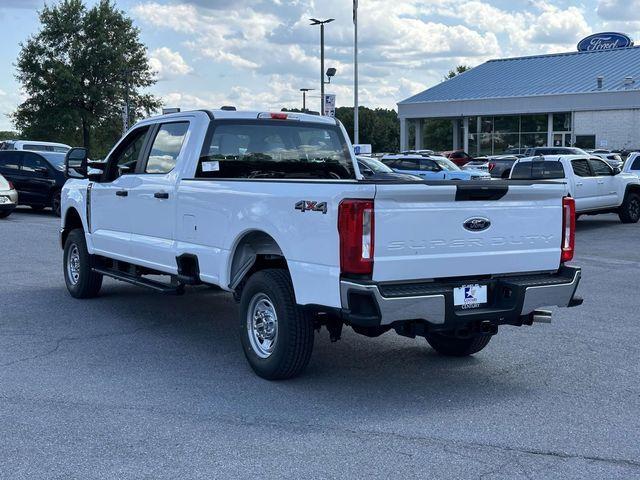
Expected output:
{"points": [[470, 296]]}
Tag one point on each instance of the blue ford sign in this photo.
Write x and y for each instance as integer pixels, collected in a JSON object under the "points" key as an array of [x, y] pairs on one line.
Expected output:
{"points": [[604, 41]]}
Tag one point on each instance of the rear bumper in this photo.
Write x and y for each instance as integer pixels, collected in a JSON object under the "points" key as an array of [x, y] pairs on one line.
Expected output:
{"points": [[510, 300]]}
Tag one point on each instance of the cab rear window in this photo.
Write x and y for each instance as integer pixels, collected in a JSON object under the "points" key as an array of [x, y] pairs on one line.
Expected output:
{"points": [[544, 170]]}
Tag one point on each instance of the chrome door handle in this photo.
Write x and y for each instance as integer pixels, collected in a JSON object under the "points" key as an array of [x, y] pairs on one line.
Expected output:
{"points": [[122, 193]]}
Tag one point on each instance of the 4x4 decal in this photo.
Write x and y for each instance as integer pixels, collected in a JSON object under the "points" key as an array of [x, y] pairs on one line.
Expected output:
{"points": [[310, 205]]}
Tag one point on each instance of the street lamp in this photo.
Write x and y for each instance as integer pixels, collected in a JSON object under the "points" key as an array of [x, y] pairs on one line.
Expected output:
{"points": [[304, 97], [315, 21]]}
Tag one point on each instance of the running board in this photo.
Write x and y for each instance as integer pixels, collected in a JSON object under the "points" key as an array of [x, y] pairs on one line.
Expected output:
{"points": [[140, 281]]}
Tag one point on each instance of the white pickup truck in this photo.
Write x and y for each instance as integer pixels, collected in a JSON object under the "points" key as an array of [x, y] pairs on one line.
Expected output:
{"points": [[272, 207], [596, 186]]}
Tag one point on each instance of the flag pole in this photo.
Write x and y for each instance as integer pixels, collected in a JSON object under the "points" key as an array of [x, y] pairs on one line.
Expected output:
{"points": [[356, 133]]}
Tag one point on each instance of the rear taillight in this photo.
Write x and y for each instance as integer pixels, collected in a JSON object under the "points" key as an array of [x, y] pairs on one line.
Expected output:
{"points": [[356, 229], [568, 229], [492, 166]]}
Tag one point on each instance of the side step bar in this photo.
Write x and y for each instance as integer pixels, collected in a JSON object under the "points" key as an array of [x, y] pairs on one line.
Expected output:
{"points": [[140, 281]]}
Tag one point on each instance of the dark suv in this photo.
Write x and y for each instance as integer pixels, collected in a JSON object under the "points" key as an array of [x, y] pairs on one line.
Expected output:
{"points": [[37, 176]]}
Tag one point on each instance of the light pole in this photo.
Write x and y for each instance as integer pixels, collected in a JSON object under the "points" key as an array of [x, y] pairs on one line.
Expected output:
{"points": [[304, 97], [356, 127], [315, 21]]}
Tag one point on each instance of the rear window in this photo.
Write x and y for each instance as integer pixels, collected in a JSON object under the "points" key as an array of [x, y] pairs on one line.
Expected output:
{"points": [[276, 149], [537, 170]]}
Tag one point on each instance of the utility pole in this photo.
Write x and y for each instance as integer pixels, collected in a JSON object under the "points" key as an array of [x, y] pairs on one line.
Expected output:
{"points": [[315, 21], [356, 112]]}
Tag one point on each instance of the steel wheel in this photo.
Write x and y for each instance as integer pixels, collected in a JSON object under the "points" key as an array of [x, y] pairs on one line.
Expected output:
{"points": [[262, 325], [73, 264]]}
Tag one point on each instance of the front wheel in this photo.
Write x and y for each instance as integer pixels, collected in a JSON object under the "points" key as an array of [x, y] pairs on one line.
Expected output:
{"points": [[81, 280], [457, 347], [276, 335], [630, 209]]}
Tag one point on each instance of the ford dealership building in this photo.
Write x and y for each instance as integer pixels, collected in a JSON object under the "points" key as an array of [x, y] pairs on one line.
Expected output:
{"points": [[589, 98]]}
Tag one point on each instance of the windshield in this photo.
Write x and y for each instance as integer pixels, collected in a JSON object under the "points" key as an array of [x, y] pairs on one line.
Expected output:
{"points": [[375, 165], [276, 149], [446, 164]]}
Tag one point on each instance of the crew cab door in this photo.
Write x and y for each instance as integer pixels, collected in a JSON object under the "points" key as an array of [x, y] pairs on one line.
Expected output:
{"points": [[153, 199], [111, 207], [607, 183], [37, 179], [585, 186]]}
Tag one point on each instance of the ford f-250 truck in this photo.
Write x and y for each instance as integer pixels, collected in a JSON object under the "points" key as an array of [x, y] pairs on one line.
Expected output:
{"points": [[272, 207]]}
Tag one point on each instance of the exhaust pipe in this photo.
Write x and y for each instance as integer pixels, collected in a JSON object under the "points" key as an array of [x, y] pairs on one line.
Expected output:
{"points": [[540, 316]]}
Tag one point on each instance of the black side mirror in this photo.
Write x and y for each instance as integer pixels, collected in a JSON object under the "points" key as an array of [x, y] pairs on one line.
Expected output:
{"points": [[617, 170], [75, 163]]}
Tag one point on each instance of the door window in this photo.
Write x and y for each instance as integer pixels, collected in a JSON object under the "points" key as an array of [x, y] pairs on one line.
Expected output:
{"points": [[10, 161], [429, 166], [581, 167], [636, 164], [166, 147], [407, 164], [125, 159], [600, 168], [32, 163]]}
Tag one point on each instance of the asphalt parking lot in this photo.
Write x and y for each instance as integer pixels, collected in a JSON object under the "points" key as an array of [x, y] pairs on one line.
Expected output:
{"points": [[138, 385]]}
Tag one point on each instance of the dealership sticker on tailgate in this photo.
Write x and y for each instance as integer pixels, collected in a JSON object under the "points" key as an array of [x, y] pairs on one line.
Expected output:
{"points": [[470, 296]]}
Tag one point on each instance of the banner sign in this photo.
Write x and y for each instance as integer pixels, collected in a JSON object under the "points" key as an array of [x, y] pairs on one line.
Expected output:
{"points": [[329, 105]]}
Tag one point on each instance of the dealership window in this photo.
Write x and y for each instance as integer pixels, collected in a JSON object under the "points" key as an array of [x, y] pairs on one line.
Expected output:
{"points": [[534, 123], [561, 122], [585, 141]]}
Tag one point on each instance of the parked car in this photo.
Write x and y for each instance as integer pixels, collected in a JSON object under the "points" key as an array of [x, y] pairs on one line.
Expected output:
{"points": [[482, 165], [500, 165], [8, 197], [593, 183], [214, 198], [632, 164], [613, 159], [537, 151], [34, 146], [374, 169], [424, 151], [38, 177], [459, 157], [431, 168]]}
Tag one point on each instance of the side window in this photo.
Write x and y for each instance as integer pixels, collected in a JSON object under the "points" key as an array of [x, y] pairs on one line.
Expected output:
{"points": [[10, 161], [407, 164], [636, 164], [125, 159], [166, 147], [600, 168], [429, 166], [32, 163], [581, 168]]}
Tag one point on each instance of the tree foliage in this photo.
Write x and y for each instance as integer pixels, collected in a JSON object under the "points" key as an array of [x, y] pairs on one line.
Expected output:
{"points": [[77, 72], [380, 127]]}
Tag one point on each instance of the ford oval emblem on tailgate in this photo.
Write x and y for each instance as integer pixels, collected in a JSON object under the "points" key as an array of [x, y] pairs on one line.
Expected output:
{"points": [[477, 224]]}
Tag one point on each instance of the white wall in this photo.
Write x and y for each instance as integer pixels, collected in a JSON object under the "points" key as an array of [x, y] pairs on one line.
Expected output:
{"points": [[618, 128]]}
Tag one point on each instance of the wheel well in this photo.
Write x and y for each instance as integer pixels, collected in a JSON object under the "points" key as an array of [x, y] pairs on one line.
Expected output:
{"points": [[72, 221], [632, 189], [255, 251]]}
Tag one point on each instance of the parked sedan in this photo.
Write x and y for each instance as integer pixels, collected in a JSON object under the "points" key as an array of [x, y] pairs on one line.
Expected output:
{"points": [[8, 197], [373, 168], [38, 177], [613, 159], [459, 157], [431, 168]]}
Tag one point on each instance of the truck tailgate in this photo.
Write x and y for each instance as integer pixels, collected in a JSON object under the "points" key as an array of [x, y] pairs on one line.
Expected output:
{"points": [[425, 231]]}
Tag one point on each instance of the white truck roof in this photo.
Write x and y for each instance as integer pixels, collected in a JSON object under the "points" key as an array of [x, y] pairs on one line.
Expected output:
{"points": [[245, 115]]}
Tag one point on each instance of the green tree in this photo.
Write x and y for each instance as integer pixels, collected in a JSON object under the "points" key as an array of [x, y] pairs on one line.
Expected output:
{"points": [[8, 135], [457, 71], [78, 71], [380, 127]]}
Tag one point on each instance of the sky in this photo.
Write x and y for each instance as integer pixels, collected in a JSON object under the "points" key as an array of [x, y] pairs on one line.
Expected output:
{"points": [[258, 53]]}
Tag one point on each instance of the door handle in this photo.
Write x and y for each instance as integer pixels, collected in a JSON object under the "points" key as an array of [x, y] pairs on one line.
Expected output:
{"points": [[162, 195], [601, 182], [579, 184], [122, 193]]}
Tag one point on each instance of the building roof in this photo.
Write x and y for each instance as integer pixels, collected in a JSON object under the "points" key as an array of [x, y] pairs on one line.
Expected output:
{"points": [[555, 74]]}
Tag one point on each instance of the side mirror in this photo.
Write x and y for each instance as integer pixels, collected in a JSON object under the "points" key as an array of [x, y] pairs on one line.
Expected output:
{"points": [[75, 163], [617, 170]]}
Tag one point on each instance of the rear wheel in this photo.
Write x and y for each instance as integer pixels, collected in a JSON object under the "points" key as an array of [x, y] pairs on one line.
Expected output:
{"points": [[630, 209], [5, 213], [457, 347], [81, 280], [276, 335]]}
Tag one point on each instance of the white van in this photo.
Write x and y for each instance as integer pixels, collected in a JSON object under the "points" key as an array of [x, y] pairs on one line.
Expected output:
{"points": [[34, 146]]}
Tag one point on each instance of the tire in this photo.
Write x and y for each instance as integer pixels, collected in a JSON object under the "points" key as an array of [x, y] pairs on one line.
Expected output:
{"points": [[630, 209], [81, 281], [55, 203], [268, 309], [5, 213], [457, 347]]}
